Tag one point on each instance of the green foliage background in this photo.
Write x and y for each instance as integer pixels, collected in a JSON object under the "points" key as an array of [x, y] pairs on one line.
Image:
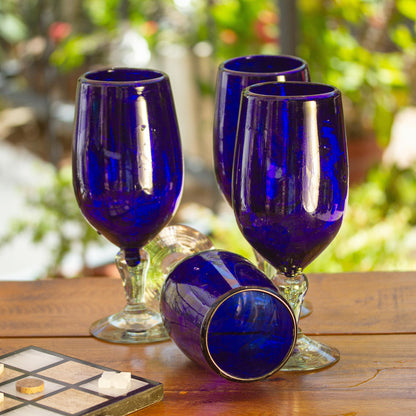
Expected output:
{"points": [[367, 48]]}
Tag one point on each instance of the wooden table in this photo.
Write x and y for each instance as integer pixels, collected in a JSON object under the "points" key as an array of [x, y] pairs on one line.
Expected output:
{"points": [[369, 317]]}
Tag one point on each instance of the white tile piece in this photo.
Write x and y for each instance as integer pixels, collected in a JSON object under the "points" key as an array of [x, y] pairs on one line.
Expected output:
{"points": [[111, 379], [124, 379], [133, 385], [105, 382]]}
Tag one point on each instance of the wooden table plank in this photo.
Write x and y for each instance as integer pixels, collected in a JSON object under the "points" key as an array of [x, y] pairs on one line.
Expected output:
{"points": [[345, 303], [376, 376], [362, 303], [61, 307]]}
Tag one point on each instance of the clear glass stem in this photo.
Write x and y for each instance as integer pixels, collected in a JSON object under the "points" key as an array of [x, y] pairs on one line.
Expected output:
{"points": [[293, 289], [308, 354], [136, 323], [270, 272], [134, 279]]}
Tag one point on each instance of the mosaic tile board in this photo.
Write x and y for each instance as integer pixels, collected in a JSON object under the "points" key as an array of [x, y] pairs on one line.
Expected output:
{"points": [[70, 387]]}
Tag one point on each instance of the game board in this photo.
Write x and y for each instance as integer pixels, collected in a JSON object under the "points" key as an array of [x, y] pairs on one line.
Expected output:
{"points": [[70, 387]]}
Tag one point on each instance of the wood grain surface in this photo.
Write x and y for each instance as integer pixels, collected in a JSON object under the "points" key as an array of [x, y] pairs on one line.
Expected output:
{"points": [[369, 317], [362, 303], [375, 376], [344, 303], [60, 307]]}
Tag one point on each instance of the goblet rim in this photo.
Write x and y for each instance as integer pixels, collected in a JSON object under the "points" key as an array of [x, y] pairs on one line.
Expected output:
{"points": [[302, 64], [153, 76], [323, 91], [208, 319]]}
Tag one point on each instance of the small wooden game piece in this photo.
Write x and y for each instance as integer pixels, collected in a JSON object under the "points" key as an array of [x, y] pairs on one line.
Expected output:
{"points": [[1, 397], [30, 386], [1, 368]]}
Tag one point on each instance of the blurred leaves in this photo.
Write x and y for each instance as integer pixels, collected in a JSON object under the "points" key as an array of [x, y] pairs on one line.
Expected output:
{"points": [[407, 8], [244, 27], [364, 47], [404, 38], [73, 53], [358, 46], [367, 48], [379, 229], [12, 29], [55, 216]]}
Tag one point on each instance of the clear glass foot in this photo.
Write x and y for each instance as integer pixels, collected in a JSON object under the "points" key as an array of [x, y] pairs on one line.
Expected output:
{"points": [[136, 323], [170, 246], [130, 327], [308, 354]]}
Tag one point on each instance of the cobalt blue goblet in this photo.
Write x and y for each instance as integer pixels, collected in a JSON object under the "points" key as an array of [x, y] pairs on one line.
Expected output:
{"points": [[290, 187], [233, 76], [227, 316], [127, 176]]}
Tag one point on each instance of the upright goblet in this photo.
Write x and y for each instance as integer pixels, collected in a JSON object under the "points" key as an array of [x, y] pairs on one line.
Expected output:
{"points": [[127, 176], [233, 76], [290, 186]]}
